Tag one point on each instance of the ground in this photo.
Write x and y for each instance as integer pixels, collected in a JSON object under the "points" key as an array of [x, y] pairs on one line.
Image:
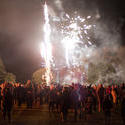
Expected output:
{"points": [[41, 116]]}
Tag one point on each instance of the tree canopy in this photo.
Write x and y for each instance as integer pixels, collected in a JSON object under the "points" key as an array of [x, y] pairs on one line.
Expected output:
{"points": [[39, 76], [4, 75]]}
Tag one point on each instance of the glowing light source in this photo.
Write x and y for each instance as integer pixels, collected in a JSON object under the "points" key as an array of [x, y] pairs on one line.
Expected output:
{"points": [[46, 49], [73, 39], [75, 32]]}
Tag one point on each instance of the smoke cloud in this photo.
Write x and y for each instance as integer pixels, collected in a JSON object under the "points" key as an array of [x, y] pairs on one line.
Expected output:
{"points": [[106, 36]]}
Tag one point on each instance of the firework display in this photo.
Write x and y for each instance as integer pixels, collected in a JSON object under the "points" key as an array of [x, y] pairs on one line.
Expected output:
{"points": [[73, 35], [46, 50]]}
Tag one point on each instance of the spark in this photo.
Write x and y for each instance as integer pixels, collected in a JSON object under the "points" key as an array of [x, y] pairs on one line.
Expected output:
{"points": [[73, 38], [67, 16], [75, 32], [88, 17], [46, 50]]}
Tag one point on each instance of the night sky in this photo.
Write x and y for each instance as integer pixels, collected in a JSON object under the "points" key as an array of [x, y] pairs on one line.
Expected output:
{"points": [[21, 29]]}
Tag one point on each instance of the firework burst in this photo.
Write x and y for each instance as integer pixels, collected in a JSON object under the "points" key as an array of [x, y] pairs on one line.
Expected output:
{"points": [[73, 37], [46, 50]]}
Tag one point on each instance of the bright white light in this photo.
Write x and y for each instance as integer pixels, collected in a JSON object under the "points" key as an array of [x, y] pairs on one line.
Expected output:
{"points": [[88, 17], [73, 34], [74, 26], [74, 41], [46, 49]]}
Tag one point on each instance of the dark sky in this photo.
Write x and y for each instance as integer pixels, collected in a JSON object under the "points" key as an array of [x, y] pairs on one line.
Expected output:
{"points": [[21, 29]]}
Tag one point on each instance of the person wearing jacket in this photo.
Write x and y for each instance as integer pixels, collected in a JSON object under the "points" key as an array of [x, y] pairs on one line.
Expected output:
{"points": [[7, 103], [107, 106]]}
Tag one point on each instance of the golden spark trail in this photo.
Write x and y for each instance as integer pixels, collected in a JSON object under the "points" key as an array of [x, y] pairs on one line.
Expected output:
{"points": [[46, 46]]}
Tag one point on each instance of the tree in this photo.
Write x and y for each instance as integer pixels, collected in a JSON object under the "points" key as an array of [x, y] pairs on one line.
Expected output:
{"points": [[6, 76], [101, 72], [2, 70], [92, 73], [10, 78], [39, 76]]}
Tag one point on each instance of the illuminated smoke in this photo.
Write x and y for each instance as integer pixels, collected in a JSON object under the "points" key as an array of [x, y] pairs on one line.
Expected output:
{"points": [[46, 50], [59, 4]]}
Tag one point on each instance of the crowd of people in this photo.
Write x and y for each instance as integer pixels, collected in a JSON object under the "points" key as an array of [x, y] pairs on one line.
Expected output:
{"points": [[81, 100]]}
